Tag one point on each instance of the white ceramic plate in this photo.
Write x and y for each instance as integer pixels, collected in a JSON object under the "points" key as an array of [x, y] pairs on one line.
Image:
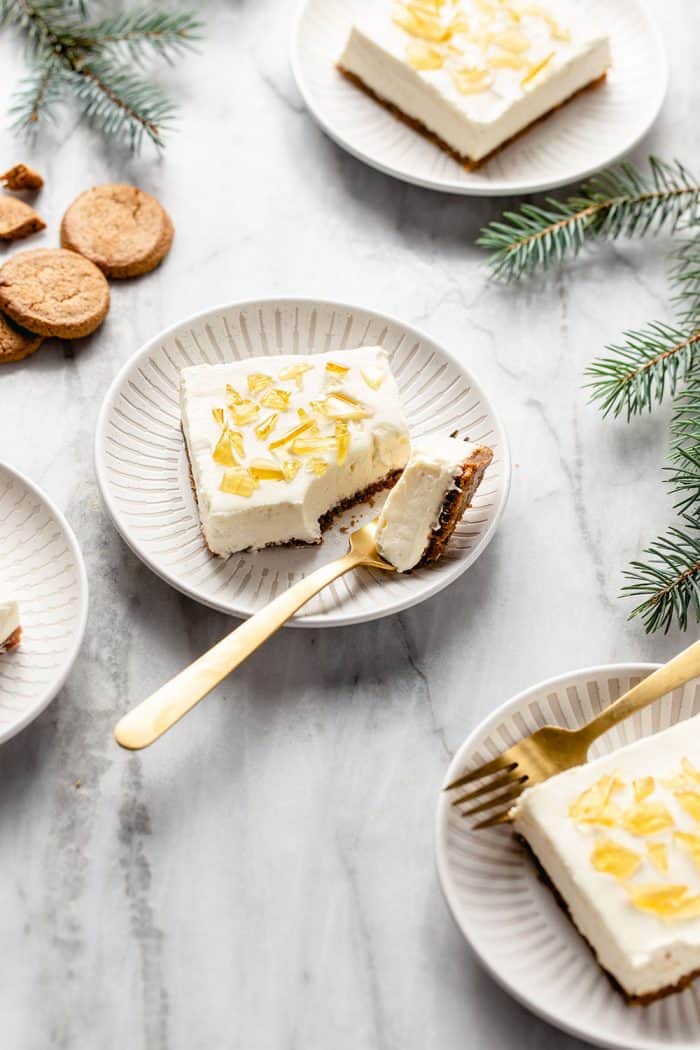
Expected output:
{"points": [[511, 920], [588, 133], [42, 567], [143, 472]]}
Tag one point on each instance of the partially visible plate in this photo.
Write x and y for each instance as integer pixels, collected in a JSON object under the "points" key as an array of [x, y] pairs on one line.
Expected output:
{"points": [[588, 133], [143, 472], [511, 919], [41, 566]]}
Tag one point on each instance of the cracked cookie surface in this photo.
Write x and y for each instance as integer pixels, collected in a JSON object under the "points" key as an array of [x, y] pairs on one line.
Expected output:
{"points": [[54, 292], [122, 229], [15, 342], [18, 219]]}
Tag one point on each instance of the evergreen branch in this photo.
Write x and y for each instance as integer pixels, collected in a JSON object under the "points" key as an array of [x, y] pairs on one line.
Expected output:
{"points": [[652, 361], [685, 278], [121, 104], [684, 475], [670, 582], [36, 99], [134, 32], [620, 202]]}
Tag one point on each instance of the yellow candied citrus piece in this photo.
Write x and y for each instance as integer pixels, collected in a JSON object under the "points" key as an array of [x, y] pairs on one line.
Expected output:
{"points": [[291, 468], [237, 443], [643, 787], [506, 60], [459, 24], [421, 55], [307, 444], [218, 414], [244, 413], [295, 374], [690, 771], [373, 376], [595, 805], [266, 426], [233, 395], [472, 80], [238, 483], [536, 69], [611, 858], [258, 381], [317, 466], [512, 40], [277, 399], [513, 14], [266, 470], [647, 818], [658, 855], [419, 23], [690, 843], [688, 776], [223, 452], [292, 434], [338, 370], [342, 440], [666, 901], [690, 801]]}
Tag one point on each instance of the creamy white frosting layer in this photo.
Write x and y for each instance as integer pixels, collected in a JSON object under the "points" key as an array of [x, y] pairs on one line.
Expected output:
{"points": [[9, 619], [413, 507], [280, 511], [645, 953], [476, 123]]}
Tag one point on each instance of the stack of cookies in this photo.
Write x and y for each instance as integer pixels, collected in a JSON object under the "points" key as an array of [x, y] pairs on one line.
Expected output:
{"points": [[109, 231]]}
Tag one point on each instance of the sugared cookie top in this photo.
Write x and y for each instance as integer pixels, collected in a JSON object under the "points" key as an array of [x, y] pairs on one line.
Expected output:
{"points": [[54, 292]]}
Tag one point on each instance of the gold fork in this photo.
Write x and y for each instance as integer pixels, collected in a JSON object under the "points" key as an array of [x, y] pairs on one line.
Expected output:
{"points": [[145, 723], [551, 750]]}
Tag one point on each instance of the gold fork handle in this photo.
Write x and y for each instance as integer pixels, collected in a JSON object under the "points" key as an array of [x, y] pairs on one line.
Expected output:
{"points": [[145, 723], [681, 669]]}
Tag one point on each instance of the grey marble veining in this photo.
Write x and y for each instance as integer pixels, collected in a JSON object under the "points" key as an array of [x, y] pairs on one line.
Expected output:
{"points": [[263, 879]]}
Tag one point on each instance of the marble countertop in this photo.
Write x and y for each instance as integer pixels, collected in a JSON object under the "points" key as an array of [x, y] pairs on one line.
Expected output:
{"points": [[264, 878]]}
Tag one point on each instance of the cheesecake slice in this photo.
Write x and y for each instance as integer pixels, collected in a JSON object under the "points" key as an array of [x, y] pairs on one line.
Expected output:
{"points": [[423, 509], [278, 445], [10, 629], [473, 74], [619, 840]]}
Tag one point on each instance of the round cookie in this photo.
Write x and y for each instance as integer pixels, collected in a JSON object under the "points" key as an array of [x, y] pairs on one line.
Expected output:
{"points": [[18, 219], [15, 343], [50, 291], [122, 229]]}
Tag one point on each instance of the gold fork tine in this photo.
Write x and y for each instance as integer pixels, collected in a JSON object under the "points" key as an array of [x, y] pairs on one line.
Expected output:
{"points": [[493, 785], [492, 822], [505, 796], [494, 766]]}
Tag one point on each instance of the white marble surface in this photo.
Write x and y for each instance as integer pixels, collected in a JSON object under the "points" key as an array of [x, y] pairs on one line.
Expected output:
{"points": [[263, 878]]}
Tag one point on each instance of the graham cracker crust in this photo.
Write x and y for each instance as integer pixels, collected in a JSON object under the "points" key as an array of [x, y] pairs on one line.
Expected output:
{"points": [[631, 1000], [12, 642], [417, 125], [456, 502]]}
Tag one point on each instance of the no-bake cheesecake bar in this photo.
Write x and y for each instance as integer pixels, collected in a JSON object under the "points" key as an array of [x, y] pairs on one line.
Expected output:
{"points": [[10, 629], [277, 445], [473, 74], [422, 510], [619, 840]]}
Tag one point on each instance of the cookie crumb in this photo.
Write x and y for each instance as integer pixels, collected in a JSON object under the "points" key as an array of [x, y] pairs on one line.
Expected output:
{"points": [[18, 219], [21, 177]]}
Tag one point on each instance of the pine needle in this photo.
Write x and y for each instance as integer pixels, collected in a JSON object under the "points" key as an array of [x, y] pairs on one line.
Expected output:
{"points": [[669, 581]]}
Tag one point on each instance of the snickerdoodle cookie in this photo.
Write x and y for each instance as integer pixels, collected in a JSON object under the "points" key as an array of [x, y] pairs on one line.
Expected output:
{"points": [[15, 342], [18, 219], [120, 228], [54, 292]]}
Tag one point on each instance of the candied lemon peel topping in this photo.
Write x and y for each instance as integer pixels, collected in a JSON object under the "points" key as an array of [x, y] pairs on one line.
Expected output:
{"points": [[610, 857], [441, 35]]}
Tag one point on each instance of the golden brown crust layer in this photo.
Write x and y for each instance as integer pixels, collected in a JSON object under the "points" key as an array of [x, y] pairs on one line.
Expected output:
{"points": [[18, 219], [466, 162], [53, 292], [456, 502], [632, 1000], [121, 229], [12, 642], [15, 342], [21, 177]]}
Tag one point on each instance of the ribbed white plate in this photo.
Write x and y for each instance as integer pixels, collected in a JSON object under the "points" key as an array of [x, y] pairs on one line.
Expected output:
{"points": [[588, 133], [42, 567], [511, 920], [143, 472]]}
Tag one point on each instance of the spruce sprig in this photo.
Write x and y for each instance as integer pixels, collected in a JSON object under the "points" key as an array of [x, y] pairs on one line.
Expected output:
{"points": [[624, 201], [669, 582], [94, 61]]}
